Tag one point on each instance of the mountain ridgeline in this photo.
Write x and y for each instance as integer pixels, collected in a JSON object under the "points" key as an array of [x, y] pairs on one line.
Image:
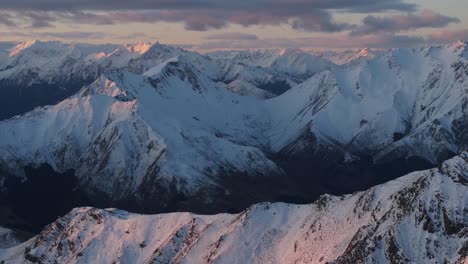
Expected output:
{"points": [[418, 218], [154, 128]]}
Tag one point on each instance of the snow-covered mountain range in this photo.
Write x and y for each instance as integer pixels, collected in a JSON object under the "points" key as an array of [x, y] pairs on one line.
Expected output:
{"points": [[419, 218], [156, 128]]}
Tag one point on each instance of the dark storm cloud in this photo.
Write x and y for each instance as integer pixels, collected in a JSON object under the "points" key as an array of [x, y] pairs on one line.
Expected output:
{"points": [[298, 6], [397, 23], [200, 15], [202, 20]]}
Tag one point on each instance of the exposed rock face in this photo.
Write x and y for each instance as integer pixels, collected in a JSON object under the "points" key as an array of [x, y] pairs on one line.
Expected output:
{"points": [[419, 218]]}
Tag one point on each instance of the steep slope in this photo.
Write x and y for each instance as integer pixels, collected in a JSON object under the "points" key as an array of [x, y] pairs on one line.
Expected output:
{"points": [[419, 218], [366, 123], [409, 101]]}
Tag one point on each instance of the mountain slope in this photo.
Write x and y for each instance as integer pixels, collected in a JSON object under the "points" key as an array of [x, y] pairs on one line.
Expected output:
{"points": [[267, 73], [419, 218], [159, 143], [409, 99], [159, 133], [36, 73]]}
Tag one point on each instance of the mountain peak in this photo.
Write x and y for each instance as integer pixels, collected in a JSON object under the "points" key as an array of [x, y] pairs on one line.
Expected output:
{"points": [[22, 46], [39, 46], [141, 47], [458, 45], [364, 52]]}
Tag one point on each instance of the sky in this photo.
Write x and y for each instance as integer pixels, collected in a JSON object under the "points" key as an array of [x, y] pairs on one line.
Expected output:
{"points": [[240, 24]]}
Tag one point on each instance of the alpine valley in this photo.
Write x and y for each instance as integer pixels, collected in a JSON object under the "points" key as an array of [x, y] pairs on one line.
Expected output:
{"points": [[152, 128]]}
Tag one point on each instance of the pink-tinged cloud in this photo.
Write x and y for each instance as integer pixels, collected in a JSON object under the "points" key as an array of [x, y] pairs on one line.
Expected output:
{"points": [[398, 23], [446, 36]]}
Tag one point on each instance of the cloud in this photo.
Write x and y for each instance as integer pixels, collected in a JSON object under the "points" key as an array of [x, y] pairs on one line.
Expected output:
{"points": [[6, 19], [295, 6], [14, 34], [232, 36], [200, 20], [135, 35], [385, 40], [199, 15], [72, 35], [319, 21], [446, 36], [398, 23]]}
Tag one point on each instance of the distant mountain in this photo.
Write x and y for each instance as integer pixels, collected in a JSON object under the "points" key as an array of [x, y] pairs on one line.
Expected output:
{"points": [[267, 73], [419, 218], [155, 128], [349, 56]]}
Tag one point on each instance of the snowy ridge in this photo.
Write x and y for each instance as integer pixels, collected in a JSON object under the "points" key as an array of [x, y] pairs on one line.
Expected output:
{"points": [[419, 218]]}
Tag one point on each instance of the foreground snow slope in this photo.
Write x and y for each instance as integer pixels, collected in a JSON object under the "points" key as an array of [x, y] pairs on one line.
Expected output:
{"points": [[419, 218]]}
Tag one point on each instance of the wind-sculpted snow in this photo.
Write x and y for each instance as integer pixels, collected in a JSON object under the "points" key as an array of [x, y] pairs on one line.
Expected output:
{"points": [[419, 218]]}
